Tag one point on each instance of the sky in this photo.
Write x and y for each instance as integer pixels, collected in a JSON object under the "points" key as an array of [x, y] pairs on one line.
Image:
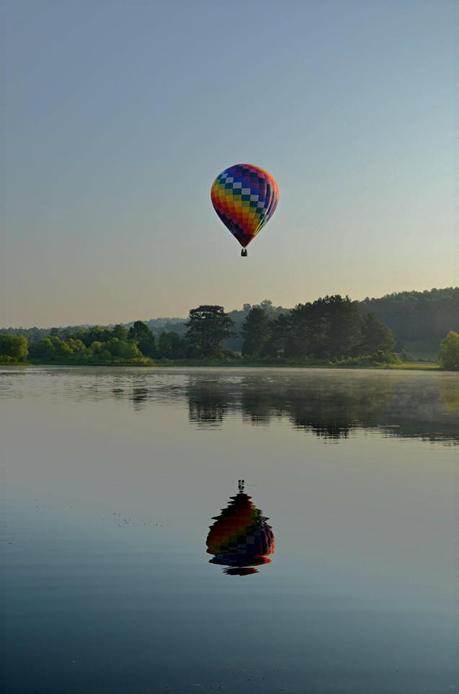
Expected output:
{"points": [[117, 116]]}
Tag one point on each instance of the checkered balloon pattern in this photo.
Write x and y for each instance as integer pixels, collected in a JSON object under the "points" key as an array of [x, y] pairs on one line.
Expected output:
{"points": [[244, 197]]}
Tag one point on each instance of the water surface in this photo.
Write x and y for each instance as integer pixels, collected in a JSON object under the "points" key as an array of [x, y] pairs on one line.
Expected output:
{"points": [[112, 478]]}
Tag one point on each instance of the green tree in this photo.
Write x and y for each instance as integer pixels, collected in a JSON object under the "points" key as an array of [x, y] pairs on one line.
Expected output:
{"points": [[140, 333], [343, 326], [43, 350], [279, 335], [96, 348], [76, 345], [171, 346], [122, 349], [304, 332], [375, 336], [120, 332], [16, 347], [95, 334], [207, 327], [449, 352], [256, 332], [326, 328], [53, 348], [62, 348]]}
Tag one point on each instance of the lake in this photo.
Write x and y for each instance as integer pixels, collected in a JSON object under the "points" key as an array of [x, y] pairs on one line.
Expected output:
{"points": [[332, 570]]}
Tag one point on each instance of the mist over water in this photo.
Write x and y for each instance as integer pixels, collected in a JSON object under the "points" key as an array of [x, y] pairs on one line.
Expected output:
{"points": [[135, 562]]}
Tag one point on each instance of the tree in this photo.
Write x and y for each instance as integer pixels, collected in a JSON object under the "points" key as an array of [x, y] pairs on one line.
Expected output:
{"points": [[277, 344], [267, 305], [120, 332], [62, 349], [344, 331], [207, 327], [326, 328], [97, 347], [54, 348], [94, 334], [449, 352], [376, 337], [170, 346], [43, 350], [140, 333], [256, 332], [304, 332], [122, 349], [15, 347], [76, 345]]}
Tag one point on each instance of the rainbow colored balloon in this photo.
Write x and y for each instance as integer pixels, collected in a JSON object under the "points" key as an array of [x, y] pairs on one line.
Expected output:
{"points": [[245, 198]]}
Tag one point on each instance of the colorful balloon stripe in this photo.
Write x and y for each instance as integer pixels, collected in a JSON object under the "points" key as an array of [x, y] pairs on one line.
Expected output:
{"points": [[245, 197]]}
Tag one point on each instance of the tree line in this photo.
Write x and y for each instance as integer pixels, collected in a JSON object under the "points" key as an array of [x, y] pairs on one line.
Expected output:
{"points": [[419, 321], [330, 330]]}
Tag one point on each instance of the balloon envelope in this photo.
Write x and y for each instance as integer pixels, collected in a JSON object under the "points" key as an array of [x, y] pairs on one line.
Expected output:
{"points": [[245, 198]]}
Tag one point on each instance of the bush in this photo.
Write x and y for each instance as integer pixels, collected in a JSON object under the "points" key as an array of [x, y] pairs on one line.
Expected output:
{"points": [[449, 352]]}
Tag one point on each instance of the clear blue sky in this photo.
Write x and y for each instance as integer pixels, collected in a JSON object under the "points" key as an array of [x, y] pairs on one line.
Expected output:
{"points": [[118, 115]]}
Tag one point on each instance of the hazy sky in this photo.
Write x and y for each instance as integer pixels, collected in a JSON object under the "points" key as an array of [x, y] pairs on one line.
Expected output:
{"points": [[118, 116]]}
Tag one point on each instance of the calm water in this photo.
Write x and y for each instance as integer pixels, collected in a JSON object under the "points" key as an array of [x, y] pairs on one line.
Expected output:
{"points": [[112, 478]]}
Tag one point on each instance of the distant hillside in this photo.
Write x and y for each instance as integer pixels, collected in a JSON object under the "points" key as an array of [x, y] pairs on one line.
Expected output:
{"points": [[419, 320], [159, 325]]}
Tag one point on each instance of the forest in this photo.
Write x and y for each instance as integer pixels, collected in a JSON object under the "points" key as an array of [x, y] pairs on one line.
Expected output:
{"points": [[419, 320], [332, 330]]}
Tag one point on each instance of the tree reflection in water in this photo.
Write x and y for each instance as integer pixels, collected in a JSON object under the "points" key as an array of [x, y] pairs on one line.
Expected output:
{"points": [[240, 539], [207, 405], [328, 403], [329, 410]]}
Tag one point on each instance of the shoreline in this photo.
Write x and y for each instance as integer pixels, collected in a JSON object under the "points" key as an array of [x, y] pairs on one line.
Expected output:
{"points": [[403, 366]]}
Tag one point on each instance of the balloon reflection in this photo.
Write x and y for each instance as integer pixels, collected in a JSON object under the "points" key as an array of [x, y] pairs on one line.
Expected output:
{"points": [[240, 539]]}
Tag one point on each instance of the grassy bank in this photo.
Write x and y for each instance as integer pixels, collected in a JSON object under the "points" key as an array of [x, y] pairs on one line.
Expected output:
{"points": [[417, 366]]}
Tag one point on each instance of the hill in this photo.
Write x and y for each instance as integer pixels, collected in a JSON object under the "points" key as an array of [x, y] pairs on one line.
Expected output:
{"points": [[419, 320]]}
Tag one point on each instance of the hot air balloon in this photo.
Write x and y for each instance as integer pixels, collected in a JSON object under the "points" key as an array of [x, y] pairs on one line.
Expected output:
{"points": [[240, 539], [245, 198]]}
